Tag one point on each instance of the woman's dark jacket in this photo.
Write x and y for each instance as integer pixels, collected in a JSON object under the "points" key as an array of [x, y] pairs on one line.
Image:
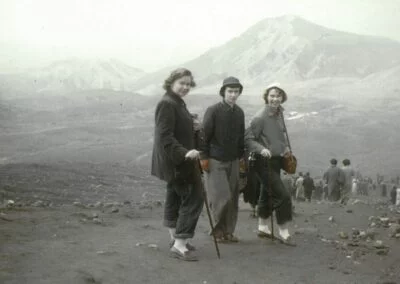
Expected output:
{"points": [[173, 137]]}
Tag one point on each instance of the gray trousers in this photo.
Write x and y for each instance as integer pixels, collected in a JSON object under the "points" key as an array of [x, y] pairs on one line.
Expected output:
{"points": [[222, 185]]}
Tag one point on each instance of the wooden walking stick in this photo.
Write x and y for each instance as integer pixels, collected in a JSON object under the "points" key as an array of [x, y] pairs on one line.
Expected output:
{"points": [[209, 214]]}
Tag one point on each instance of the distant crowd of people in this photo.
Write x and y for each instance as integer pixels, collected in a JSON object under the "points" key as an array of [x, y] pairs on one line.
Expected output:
{"points": [[338, 184]]}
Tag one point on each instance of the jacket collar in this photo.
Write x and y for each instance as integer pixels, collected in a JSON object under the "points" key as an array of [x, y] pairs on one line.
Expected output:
{"points": [[175, 97], [273, 111]]}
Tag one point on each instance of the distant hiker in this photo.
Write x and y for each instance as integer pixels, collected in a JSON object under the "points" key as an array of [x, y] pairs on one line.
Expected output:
{"points": [[349, 174], [393, 195], [300, 188], [319, 190], [334, 177], [309, 187], [354, 187], [383, 189], [174, 160], [266, 138], [224, 127]]}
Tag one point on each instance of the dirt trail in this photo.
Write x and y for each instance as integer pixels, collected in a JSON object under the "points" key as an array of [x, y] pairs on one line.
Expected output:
{"points": [[65, 245]]}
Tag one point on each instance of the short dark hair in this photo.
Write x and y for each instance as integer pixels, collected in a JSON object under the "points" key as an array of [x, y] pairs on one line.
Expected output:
{"points": [[176, 75], [265, 96], [333, 161], [346, 162]]}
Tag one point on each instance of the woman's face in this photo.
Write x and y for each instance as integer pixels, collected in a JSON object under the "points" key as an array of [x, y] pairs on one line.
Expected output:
{"points": [[182, 86], [274, 98]]}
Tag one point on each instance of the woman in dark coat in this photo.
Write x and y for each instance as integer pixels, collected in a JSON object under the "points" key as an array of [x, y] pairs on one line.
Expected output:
{"points": [[175, 160]]}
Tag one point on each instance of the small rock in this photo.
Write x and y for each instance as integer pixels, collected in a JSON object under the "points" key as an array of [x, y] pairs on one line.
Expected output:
{"points": [[397, 236], [356, 232], [114, 210], [97, 221], [394, 230], [98, 204], [10, 203], [371, 233], [332, 267], [95, 215], [373, 225], [382, 252], [331, 219], [379, 244], [343, 235], [38, 203], [153, 246], [346, 272], [140, 244], [363, 235], [349, 211], [127, 202], [78, 204]]}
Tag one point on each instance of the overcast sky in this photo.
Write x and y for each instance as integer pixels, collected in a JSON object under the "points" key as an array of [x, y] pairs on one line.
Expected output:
{"points": [[151, 34]]}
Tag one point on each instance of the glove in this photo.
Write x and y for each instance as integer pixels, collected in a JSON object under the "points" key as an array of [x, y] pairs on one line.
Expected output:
{"points": [[192, 154], [266, 153], [204, 165]]}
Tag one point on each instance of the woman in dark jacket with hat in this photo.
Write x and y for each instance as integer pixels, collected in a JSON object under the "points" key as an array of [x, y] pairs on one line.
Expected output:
{"points": [[175, 160], [266, 138]]}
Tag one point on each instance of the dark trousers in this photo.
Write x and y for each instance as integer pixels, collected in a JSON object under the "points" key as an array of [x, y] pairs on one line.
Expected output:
{"points": [[270, 179], [308, 193], [183, 206]]}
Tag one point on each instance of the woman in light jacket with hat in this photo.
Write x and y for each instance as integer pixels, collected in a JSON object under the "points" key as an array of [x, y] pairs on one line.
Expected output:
{"points": [[266, 138]]}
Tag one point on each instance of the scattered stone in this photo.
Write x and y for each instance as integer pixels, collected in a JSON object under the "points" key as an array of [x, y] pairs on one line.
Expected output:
{"points": [[102, 252], [356, 232], [97, 221], [332, 267], [371, 233], [95, 215], [331, 219], [363, 235], [38, 203], [346, 272], [78, 204], [10, 203], [373, 225], [114, 210], [349, 211], [379, 244], [394, 230], [98, 204], [153, 246], [127, 202], [397, 236], [140, 244], [382, 252], [112, 204], [343, 235]]}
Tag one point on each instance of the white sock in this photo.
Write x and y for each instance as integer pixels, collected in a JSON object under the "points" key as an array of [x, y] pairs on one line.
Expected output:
{"points": [[284, 232], [180, 244], [263, 225], [172, 233]]}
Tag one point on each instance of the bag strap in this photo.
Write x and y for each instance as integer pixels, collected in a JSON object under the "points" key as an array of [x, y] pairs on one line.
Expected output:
{"points": [[284, 126]]}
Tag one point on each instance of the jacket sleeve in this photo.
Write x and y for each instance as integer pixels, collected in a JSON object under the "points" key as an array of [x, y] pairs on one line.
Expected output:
{"points": [[165, 128], [208, 128], [252, 135]]}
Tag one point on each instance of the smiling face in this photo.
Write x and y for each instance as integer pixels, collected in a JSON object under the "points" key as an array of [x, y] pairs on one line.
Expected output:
{"points": [[231, 95], [182, 86], [275, 97]]}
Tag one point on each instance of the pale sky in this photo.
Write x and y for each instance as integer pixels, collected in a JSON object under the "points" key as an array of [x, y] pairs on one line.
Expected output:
{"points": [[152, 34]]}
